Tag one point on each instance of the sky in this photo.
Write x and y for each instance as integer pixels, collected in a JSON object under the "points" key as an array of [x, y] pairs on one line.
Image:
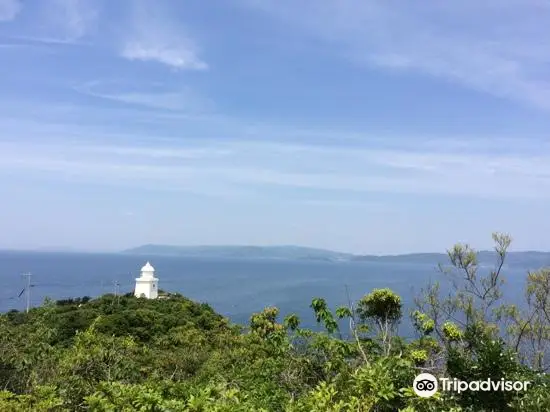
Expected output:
{"points": [[374, 127]]}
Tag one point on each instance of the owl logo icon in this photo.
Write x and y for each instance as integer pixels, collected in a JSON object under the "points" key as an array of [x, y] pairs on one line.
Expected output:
{"points": [[425, 385]]}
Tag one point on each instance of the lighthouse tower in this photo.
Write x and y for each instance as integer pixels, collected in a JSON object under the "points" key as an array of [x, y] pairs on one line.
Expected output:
{"points": [[147, 283]]}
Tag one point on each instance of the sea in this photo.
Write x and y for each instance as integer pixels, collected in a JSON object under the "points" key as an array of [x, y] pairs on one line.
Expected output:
{"points": [[235, 288]]}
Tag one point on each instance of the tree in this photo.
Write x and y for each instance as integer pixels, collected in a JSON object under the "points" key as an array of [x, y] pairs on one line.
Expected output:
{"points": [[383, 308]]}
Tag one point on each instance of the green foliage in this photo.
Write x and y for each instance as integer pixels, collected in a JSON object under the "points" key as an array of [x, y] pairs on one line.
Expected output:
{"points": [[43, 399], [483, 358], [419, 356], [537, 399], [344, 312], [451, 331], [119, 353], [324, 315], [292, 322], [423, 323], [265, 323], [382, 305], [383, 308]]}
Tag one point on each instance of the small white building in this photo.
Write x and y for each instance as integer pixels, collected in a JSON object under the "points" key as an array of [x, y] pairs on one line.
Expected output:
{"points": [[147, 284]]}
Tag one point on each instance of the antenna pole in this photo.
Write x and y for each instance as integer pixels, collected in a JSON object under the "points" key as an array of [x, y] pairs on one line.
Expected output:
{"points": [[28, 290]]}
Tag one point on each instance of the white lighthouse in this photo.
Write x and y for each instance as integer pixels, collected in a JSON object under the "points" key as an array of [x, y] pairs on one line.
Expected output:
{"points": [[147, 283]]}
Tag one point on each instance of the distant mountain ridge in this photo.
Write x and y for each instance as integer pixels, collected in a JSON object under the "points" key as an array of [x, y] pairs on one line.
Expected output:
{"points": [[256, 252], [539, 259], [485, 257]]}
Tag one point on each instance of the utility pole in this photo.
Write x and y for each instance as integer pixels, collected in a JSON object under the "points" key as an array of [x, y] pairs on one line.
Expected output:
{"points": [[28, 290], [116, 299]]}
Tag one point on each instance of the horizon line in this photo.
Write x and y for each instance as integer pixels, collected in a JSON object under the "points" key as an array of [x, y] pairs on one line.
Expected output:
{"points": [[351, 254]]}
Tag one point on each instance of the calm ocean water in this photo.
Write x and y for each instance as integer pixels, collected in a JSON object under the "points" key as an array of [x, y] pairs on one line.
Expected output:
{"points": [[235, 288]]}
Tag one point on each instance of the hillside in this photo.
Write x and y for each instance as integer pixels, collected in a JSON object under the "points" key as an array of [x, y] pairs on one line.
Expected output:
{"points": [[528, 259], [252, 252], [524, 259], [122, 353]]}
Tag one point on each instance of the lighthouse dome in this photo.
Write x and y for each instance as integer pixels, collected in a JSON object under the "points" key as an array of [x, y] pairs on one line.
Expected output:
{"points": [[148, 268]]}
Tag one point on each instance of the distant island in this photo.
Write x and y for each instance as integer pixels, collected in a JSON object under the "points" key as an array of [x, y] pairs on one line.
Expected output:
{"points": [[251, 252], [538, 259]]}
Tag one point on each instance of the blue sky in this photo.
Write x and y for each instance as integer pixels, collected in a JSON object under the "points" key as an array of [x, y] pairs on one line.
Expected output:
{"points": [[369, 127]]}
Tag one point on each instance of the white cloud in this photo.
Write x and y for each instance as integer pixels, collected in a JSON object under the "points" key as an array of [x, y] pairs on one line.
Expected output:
{"points": [[155, 37], [58, 22], [496, 47], [159, 153], [9, 9], [155, 96], [68, 21], [180, 55], [79, 16], [241, 168]]}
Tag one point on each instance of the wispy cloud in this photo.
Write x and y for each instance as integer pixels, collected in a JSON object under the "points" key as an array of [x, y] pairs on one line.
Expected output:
{"points": [[179, 54], [151, 153], [64, 22], [156, 96], [22, 41], [56, 22], [76, 18], [248, 167], [496, 47], [138, 30], [9, 9], [155, 37]]}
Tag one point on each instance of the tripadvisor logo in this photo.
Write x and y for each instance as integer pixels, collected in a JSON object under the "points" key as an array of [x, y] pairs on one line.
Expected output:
{"points": [[426, 385]]}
